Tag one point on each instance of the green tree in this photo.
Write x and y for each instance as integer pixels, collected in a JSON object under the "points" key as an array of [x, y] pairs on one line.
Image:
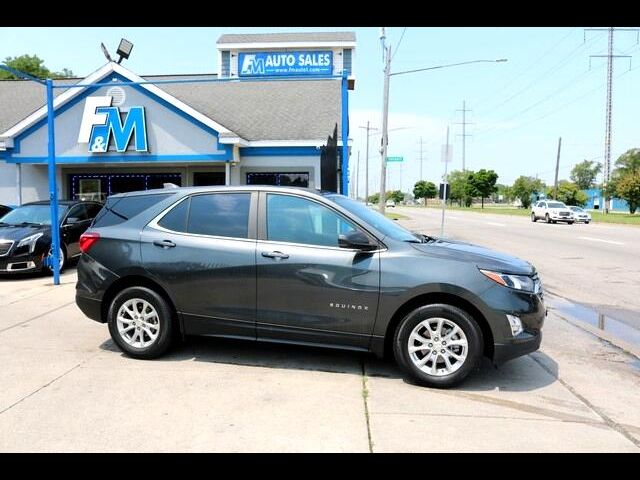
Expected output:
{"points": [[505, 191], [483, 183], [524, 187], [396, 195], [33, 65], [424, 189], [460, 187], [584, 174], [628, 188], [375, 198], [569, 193]]}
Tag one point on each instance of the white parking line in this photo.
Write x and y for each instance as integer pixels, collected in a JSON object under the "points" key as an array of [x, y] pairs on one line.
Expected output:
{"points": [[600, 240], [454, 218], [496, 224]]}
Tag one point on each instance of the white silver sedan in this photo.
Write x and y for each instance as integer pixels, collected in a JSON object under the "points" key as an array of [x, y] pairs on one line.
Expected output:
{"points": [[580, 214]]}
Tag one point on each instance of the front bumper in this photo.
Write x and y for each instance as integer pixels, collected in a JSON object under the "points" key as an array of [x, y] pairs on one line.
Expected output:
{"points": [[21, 263], [558, 218], [523, 344]]}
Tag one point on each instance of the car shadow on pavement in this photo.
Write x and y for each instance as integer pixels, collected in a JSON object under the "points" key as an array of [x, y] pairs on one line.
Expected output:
{"points": [[521, 374]]}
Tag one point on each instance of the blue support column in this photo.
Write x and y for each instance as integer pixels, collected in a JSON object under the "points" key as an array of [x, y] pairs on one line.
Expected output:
{"points": [[344, 181], [53, 189]]}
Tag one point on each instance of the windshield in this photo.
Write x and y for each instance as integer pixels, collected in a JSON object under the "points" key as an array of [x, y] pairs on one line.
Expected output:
{"points": [[39, 214], [388, 227], [556, 205], [576, 209]]}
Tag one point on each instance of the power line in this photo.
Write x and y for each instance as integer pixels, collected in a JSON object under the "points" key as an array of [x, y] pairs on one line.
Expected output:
{"points": [[399, 42], [532, 64], [554, 68]]}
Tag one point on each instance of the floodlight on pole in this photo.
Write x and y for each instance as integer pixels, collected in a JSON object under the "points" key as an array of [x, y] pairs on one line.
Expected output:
{"points": [[124, 49]]}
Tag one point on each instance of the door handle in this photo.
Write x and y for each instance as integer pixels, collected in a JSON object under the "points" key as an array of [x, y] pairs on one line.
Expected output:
{"points": [[164, 243], [275, 254]]}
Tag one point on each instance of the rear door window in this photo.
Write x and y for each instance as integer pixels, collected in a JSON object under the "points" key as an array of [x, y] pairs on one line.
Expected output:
{"points": [[220, 215]]}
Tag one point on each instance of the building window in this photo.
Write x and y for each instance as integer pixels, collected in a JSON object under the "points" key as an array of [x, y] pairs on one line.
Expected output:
{"points": [[225, 68], [347, 60], [298, 179], [203, 179]]}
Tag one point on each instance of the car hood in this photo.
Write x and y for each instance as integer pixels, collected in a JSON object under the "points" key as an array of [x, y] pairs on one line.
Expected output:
{"points": [[481, 256], [17, 233]]}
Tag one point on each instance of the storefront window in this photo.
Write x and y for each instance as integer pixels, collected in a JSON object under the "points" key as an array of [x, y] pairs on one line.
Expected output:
{"points": [[283, 179], [88, 186]]}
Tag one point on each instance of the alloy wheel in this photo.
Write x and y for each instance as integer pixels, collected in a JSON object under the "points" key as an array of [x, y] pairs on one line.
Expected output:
{"points": [[438, 347], [138, 323]]}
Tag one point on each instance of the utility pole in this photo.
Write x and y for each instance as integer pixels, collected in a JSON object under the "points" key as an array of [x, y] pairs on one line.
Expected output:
{"points": [[608, 126], [421, 159], [385, 115], [464, 135], [366, 165], [446, 153], [357, 175], [555, 183]]}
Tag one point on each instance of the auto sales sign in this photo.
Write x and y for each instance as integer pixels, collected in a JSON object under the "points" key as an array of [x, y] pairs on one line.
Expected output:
{"points": [[262, 64]]}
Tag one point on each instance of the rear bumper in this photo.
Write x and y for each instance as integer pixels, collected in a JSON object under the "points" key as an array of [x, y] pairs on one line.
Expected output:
{"points": [[524, 344], [91, 307]]}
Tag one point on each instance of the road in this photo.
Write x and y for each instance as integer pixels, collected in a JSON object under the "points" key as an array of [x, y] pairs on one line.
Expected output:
{"points": [[64, 386], [594, 265]]}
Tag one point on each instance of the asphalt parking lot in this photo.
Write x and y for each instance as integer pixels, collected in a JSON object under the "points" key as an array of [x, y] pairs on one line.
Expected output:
{"points": [[65, 387]]}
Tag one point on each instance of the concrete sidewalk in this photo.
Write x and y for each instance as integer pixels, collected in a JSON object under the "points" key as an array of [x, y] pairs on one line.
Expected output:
{"points": [[65, 387]]}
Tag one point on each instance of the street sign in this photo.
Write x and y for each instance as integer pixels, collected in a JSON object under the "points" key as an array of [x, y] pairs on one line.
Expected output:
{"points": [[447, 153], [395, 159]]}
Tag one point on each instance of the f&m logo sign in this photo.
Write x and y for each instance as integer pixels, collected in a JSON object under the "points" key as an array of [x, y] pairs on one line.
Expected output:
{"points": [[101, 123]]}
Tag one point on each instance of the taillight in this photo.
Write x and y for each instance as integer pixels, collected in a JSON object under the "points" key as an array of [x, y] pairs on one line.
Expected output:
{"points": [[87, 240]]}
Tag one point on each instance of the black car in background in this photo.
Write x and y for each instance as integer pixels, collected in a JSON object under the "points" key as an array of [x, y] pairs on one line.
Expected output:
{"points": [[25, 234], [300, 266], [4, 210]]}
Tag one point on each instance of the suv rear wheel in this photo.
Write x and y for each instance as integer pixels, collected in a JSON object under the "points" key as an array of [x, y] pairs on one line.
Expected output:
{"points": [[438, 345], [533, 217], [140, 322]]}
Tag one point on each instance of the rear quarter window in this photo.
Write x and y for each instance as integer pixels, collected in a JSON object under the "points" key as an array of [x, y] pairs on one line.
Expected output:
{"points": [[121, 209]]}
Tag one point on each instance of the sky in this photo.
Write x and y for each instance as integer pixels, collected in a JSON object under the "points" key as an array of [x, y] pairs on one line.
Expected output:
{"points": [[550, 87]]}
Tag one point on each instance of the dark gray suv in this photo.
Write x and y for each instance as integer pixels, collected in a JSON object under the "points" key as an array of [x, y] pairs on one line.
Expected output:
{"points": [[302, 266]]}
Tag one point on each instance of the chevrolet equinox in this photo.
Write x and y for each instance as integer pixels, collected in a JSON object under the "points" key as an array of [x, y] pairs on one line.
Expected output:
{"points": [[302, 266]]}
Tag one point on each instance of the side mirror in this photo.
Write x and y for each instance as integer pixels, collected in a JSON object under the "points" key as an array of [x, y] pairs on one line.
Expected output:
{"points": [[357, 240]]}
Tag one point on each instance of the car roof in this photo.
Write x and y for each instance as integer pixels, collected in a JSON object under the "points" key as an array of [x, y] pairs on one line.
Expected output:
{"points": [[60, 202], [225, 188]]}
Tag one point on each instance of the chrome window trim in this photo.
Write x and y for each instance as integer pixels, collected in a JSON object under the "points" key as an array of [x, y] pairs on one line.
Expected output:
{"points": [[156, 226]]}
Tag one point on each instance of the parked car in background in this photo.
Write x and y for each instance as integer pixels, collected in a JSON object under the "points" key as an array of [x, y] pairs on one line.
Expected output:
{"points": [[390, 203], [4, 209], [25, 234], [551, 211], [580, 214], [282, 264]]}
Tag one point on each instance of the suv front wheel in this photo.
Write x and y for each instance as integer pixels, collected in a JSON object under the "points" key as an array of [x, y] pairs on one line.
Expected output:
{"points": [[438, 345], [140, 322]]}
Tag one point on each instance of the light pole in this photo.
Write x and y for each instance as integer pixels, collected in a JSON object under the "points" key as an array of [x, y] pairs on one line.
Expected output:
{"points": [[385, 105]]}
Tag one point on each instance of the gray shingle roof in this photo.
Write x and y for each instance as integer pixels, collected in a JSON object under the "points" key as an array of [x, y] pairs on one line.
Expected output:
{"points": [[255, 110], [288, 37]]}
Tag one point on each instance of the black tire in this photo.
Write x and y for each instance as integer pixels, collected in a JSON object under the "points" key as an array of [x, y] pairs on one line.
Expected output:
{"points": [[165, 317], [547, 218], [570, 223], [534, 219], [64, 259], [586, 222], [457, 316]]}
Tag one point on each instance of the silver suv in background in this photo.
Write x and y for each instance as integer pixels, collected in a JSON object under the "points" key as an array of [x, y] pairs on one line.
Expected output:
{"points": [[551, 211], [580, 214]]}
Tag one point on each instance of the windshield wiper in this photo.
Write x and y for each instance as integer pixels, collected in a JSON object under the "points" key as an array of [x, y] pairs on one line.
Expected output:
{"points": [[27, 224]]}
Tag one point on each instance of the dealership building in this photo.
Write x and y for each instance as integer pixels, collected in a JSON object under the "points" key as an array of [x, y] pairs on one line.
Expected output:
{"points": [[275, 113]]}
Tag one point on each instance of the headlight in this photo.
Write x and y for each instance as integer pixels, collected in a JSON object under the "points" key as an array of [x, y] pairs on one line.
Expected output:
{"points": [[518, 282], [30, 241]]}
